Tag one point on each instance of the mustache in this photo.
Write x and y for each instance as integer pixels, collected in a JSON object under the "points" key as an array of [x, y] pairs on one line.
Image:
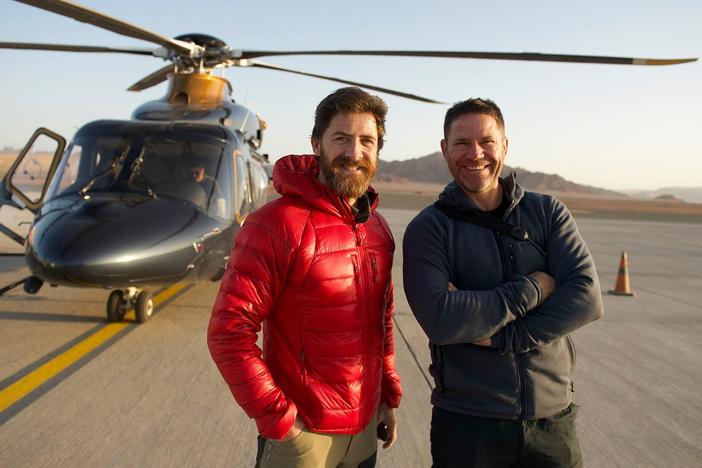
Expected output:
{"points": [[343, 161]]}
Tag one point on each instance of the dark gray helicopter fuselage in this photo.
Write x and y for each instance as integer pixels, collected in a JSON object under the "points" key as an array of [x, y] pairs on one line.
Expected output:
{"points": [[123, 209]]}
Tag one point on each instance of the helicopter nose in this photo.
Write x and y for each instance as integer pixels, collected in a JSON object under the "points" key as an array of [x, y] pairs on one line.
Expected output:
{"points": [[113, 243]]}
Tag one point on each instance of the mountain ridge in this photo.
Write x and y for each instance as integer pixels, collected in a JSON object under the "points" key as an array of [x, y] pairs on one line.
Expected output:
{"points": [[432, 169]]}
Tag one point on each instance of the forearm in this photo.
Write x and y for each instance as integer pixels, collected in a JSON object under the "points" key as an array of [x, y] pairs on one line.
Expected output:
{"points": [[232, 344], [570, 307], [391, 390], [450, 317], [246, 296]]}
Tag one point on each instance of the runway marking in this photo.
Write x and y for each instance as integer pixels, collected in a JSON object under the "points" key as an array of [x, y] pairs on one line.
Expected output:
{"points": [[86, 348]]}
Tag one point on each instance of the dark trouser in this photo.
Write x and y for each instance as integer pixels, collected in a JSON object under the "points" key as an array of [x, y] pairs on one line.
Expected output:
{"points": [[460, 440]]}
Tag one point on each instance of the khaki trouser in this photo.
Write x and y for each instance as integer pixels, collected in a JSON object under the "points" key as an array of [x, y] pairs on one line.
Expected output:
{"points": [[314, 450]]}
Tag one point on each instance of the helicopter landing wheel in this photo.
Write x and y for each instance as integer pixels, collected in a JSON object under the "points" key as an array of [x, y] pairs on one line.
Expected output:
{"points": [[144, 307], [115, 306]]}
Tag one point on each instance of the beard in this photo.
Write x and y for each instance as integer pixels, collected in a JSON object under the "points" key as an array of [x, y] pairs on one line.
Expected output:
{"points": [[345, 184]]}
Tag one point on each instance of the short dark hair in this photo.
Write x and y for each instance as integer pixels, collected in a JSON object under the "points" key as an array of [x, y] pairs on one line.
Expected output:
{"points": [[346, 101], [473, 106]]}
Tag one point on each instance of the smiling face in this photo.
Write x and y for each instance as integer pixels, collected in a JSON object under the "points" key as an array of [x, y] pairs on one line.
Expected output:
{"points": [[475, 151], [348, 154]]}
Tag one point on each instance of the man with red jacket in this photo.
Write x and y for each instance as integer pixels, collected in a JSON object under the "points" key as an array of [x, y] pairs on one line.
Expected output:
{"points": [[313, 268]]}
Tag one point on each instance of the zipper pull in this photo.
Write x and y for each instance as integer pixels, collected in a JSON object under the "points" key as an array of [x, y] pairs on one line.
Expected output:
{"points": [[355, 268], [375, 269]]}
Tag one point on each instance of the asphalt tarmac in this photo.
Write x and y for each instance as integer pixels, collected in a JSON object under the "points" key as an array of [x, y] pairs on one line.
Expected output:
{"points": [[76, 391]]}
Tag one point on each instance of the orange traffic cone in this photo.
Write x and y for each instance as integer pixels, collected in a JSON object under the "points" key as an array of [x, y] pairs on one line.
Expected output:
{"points": [[622, 288]]}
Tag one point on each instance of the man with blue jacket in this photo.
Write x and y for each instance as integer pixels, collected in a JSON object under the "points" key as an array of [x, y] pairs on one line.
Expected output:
{"points": [[498, 277]]}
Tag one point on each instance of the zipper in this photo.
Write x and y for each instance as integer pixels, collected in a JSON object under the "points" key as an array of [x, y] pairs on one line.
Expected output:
{"points": [[356, 272], [505, 267], [507, 260], [571, 349], [522, 385], [303, 368], [374, 267], [573, 359], [365, 288]]}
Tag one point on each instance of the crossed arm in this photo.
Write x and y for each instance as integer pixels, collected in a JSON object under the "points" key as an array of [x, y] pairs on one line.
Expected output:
{"points": [[515, 316], [544, 282]]}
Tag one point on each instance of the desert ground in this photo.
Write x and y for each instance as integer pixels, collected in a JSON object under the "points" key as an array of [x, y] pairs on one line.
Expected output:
{"points": [[76, 391]]}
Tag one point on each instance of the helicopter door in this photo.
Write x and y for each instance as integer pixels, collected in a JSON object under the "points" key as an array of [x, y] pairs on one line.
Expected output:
{"points": [[29, 176]]}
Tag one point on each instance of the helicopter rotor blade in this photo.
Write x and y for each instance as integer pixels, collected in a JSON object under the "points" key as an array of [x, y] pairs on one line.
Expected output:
{"points": [[527, 56], [74, 48], [86, 15], [258, 64], [153, 79]]}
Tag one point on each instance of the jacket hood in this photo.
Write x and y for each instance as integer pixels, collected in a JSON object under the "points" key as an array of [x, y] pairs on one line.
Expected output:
{"points": [[456, 197], [296, 175]]}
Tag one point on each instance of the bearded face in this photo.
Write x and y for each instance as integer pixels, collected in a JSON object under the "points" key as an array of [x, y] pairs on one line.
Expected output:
{"points": [[348, 154], [349, 177]]}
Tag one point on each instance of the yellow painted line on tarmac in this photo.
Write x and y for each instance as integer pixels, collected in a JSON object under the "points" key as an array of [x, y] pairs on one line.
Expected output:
{"points": [[30, 382]]}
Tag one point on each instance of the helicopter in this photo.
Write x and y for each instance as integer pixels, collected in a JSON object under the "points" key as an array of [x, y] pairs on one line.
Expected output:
{"points": [[128, 205]]}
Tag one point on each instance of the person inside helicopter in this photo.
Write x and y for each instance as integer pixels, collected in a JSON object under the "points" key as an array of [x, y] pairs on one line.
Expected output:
{"points": [[197, 170]]}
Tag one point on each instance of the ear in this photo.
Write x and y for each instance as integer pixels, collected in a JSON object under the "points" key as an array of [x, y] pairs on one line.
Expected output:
{"points": [[444, 149], [315, 146], [506, 145]]}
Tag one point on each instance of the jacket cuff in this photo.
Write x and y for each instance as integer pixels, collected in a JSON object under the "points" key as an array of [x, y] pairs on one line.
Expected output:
{"points": [[530, 296], [277, 425]]}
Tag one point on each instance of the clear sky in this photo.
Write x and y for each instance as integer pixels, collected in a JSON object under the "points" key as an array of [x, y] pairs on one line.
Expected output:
{"points": [[617, 127]]}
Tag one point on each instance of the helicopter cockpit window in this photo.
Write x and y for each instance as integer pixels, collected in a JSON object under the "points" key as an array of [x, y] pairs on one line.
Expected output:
{"points": [[93, 166], [167, 164], [189, 170]]}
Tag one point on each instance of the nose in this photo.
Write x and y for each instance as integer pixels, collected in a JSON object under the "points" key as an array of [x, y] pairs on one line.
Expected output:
{"points": [[474, 150], [354, 150]]}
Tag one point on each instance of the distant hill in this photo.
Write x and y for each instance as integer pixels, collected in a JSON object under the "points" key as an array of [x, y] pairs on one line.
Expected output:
{"points": [[432, 169], [689, 194]]}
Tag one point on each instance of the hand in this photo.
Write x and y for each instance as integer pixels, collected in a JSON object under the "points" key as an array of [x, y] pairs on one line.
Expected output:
{"points": [[386, 415], [487, 342], [451, 287], [546, 283], [294, 431]]}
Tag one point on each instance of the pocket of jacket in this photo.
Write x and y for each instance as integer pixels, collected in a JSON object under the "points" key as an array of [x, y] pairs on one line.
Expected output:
{"points": [[374, 267]]}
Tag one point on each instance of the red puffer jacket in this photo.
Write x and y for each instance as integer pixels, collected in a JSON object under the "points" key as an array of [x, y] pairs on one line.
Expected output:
{"points": [[320, 284]]}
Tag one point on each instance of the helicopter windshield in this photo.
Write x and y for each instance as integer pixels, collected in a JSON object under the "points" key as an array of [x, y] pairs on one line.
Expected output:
{"points": [[182, 164]]}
